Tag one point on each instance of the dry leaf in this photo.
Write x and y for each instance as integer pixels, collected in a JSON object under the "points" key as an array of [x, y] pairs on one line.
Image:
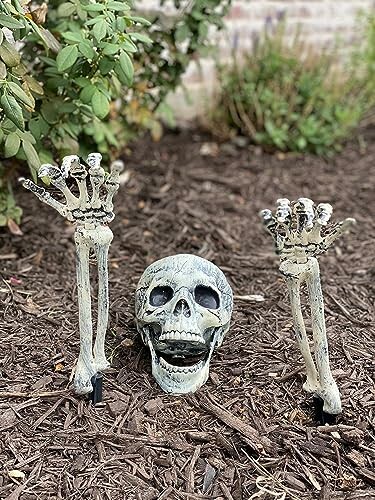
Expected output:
{"points": [[30, 307], [39, 14], [14, 228]]}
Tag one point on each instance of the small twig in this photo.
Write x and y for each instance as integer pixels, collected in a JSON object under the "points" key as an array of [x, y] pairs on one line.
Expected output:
{"points": [[33, 394], [347, 314], [249, 298], [289, 375], [190, 470], [250, 435], [8, 256]]}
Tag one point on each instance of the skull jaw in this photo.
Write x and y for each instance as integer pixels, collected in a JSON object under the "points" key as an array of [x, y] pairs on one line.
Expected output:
{"points": [[180, 383], [181, 380]]}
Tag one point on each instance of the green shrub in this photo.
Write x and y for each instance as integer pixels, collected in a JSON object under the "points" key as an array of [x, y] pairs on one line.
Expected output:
{"points": [[284, 96], [364, 58], [86, 75]]}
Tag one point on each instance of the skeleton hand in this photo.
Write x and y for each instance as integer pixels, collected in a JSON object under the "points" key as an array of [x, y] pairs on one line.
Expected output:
{"points": [[297, 228], [91, 214], [85, 210]]}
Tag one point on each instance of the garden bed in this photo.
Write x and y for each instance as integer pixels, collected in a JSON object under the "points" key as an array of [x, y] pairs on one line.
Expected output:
{"points": [[144, 444]]}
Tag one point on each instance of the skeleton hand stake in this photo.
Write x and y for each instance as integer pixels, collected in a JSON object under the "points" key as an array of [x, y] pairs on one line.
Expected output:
{"points": [[297, 231], [91, 215]]}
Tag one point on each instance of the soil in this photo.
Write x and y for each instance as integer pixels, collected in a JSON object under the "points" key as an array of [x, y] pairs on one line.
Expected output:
{"points": [[251, 432]]}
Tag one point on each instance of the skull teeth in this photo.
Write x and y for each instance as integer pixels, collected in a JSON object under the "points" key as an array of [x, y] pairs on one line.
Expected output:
{"points": [[186, 336], [180, 369]]}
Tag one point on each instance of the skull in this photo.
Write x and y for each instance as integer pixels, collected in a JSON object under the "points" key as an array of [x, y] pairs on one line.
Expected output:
{"points": [[183, 307]]}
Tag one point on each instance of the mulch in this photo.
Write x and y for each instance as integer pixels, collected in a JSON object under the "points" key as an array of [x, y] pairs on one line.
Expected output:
{"points": [[251, 432]]}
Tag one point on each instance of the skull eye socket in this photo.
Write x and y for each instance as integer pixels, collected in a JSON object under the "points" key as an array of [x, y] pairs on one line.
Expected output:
{"points": [[160, 295], [206, 297]]}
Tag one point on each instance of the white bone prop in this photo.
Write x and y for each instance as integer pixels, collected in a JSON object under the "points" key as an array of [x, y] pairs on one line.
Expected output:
{"points": [[183, 307], [91, 215], [297, 232]]}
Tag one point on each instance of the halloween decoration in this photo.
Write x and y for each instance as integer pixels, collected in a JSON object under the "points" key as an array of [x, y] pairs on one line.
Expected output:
{"points": [[183, 308], [297, 231], [91, 215]]}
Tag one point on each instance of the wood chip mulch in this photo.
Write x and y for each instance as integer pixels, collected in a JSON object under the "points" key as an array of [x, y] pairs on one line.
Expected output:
{"points": [[251, 432]]}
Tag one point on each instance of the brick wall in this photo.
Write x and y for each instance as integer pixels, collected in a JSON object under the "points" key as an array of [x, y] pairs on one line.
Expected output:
{"points": [[322, 23]]}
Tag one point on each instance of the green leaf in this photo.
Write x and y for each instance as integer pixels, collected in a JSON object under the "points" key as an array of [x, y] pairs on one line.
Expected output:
{"points": [[31, 155], [141, 37], [86, 50], [139, 20], [9, 54], [26, 136], [10, 22], [106, 65], [182, 33], [72, 36], [66, 9], [67, 57], [129, 46], [118, 6], [82, 82], [96, 19], [94, 7], [1, 37], [100, 29], [87, 93], [38, 127], [21, 94], [49, 111], [120, 24], [3, 70], [127, 67], [12, 145], [12, 110], [100, 104], [19, 70], [110, 48], [33, 85]]}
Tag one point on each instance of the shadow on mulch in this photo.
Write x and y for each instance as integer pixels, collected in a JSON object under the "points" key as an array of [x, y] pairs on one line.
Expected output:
{"points": [[143, 444]]}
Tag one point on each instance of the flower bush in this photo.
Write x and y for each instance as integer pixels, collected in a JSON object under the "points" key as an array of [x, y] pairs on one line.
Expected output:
{"points": [[288, 97]]}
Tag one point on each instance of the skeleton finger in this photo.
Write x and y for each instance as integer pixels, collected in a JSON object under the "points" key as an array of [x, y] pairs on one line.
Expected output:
{"points": [[78, 171], [44, 196], [97, 176], [338, 229], [304, 210], [112, 184], [55, 175], [323, 213], [283, 211], [273, 227], [269, 221]]}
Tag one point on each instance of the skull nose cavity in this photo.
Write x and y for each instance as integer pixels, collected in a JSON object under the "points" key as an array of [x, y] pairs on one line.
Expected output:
{"points": [[182, 308]]}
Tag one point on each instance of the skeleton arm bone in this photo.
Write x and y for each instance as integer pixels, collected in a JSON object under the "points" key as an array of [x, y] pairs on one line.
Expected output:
{"points": [[103, 238], [328, 389], [294, 284], [302, 241]]}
